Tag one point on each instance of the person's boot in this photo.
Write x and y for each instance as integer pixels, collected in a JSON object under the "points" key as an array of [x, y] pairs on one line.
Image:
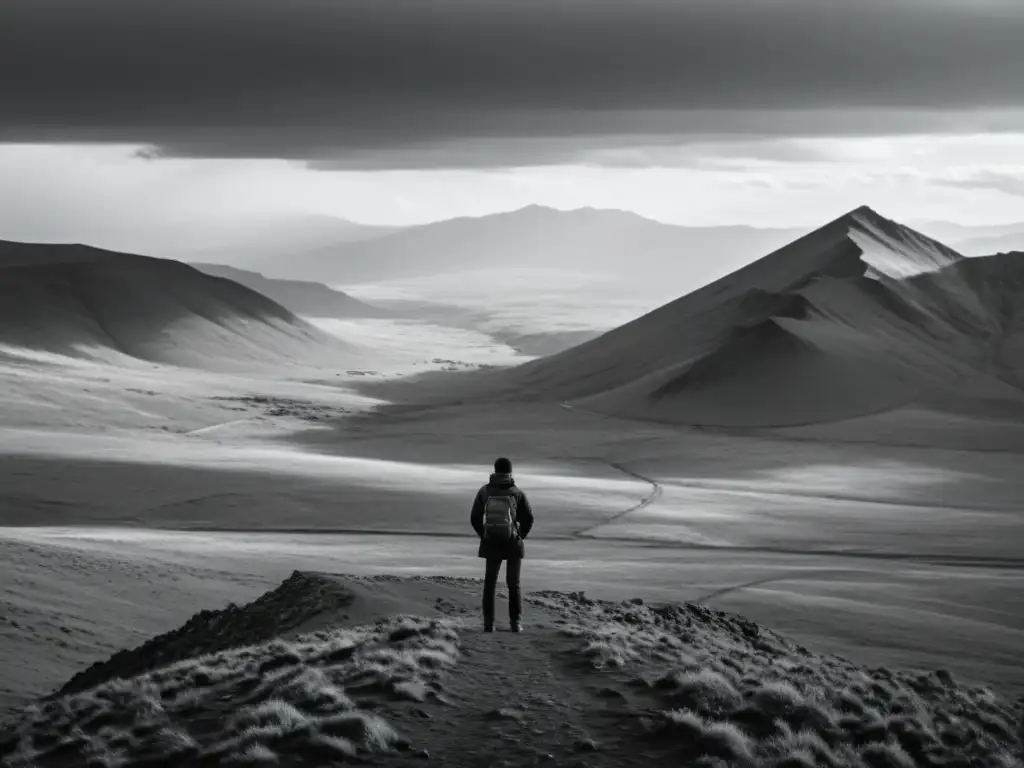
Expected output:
{"points": [[488, 626], [516, 626]]}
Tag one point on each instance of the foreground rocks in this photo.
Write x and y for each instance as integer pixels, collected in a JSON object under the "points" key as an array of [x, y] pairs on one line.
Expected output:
{"points": [[590, 683]]}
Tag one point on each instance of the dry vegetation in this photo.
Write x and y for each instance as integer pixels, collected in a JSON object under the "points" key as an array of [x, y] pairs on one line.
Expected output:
{"points": [[682, 685], [733, 693], [311, 699], [270, 405], [280, 612]]}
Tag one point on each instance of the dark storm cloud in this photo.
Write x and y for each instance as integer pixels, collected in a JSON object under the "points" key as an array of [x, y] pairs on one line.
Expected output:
{"points": [[438, 82]]}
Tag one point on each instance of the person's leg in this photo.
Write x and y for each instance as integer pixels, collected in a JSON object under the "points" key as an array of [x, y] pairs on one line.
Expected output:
{"points": [[513, 571], [490, 585]]}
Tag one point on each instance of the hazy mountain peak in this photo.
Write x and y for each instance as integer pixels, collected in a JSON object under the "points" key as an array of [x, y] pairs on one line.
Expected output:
{"points": [[586, 212]]}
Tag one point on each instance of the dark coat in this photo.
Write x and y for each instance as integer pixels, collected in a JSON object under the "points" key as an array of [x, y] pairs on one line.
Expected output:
{"points": [[511, 550]]}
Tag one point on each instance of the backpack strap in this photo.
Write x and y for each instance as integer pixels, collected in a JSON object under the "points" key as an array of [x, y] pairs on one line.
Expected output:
{"points": [[510, 493]]}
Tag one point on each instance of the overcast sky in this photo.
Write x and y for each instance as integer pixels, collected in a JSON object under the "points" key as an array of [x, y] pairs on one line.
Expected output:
{"points": [[767, 112]]}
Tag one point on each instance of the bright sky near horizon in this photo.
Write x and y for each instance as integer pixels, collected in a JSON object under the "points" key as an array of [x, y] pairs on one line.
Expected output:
{"points": [[766, 113]]}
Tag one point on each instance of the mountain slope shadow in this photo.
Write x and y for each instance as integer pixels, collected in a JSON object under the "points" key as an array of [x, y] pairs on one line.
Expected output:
{"points": [[862, 316], [85, 302]]}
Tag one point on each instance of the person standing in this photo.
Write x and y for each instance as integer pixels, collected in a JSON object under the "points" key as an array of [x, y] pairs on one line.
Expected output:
{"points": [[502, 518]]}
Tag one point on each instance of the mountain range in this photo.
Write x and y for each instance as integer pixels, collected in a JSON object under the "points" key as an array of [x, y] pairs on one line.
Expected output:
{"points": [[602, 241], [861, 316], [594, 241]]}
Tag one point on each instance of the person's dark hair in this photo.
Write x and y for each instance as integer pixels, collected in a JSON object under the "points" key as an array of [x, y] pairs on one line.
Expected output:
{"points": [[503, 465]]}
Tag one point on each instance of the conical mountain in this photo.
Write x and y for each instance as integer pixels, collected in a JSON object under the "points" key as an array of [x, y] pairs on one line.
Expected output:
{"points": [[857, 317]]}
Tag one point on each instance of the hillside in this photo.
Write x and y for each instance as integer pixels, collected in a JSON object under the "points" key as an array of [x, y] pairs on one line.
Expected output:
{"points": [[85, 302], [331, 668], [858, 317], [299, 296], [608, 241], [999, 282]]}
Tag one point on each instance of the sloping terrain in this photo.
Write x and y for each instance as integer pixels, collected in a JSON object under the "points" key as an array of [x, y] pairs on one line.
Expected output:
{"points": [[85, 302], [859, 317], [289, 680], [999, 282], [299, 296]]}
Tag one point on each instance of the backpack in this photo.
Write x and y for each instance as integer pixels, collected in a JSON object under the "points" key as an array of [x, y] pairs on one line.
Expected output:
{"points": [[500, 518]]}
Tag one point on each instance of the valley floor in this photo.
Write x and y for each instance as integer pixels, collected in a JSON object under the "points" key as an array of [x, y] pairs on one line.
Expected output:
{"points": [[903, 556], [77, 595]]}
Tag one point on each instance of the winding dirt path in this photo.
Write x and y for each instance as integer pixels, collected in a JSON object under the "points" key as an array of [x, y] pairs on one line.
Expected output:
{"points": [[646, 501], [524, 700]]}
